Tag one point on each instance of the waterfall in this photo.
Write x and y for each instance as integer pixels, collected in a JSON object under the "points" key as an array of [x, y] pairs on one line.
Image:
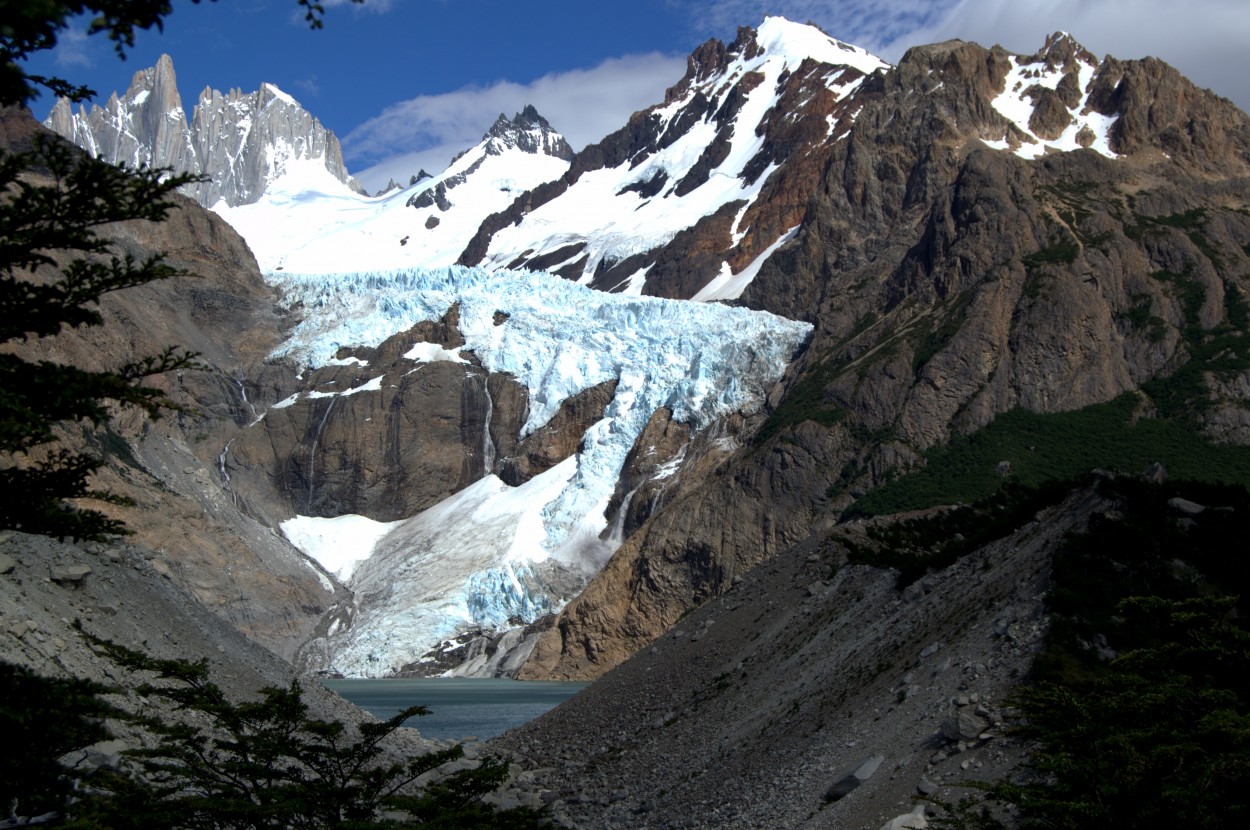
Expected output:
{"points": [[488, 443], [617, 535], [225, 473], [312, 451], [243, 397]]}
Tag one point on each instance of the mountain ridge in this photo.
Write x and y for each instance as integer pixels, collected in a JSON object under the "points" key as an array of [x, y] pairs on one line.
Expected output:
{"points": [[951, 281], [241, 142]]}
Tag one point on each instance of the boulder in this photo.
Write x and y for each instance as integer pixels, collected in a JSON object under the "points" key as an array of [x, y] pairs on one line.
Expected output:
{"points": [[69, 574], [851, 780]]}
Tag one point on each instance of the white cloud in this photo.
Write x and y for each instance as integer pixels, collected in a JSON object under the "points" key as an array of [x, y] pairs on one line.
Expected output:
{"points": [[583, 104], [869, 24], [73, 49], [376, 6]]}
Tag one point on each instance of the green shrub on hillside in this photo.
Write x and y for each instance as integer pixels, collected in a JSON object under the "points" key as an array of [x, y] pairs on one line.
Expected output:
{"points": [[1043, 448]]}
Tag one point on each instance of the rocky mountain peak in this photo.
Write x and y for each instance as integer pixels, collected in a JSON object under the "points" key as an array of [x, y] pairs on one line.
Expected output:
{"points": [[242, 141], [734, 143], [146, 125], [1062, 51], [526, 131]]}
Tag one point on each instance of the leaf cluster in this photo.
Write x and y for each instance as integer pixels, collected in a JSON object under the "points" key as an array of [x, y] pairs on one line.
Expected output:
{"points": [[1153, 730], [43, 719], [1160, 740]]}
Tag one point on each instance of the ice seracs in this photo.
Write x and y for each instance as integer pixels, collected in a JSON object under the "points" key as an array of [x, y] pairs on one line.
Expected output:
{"points": [[492, 553]]}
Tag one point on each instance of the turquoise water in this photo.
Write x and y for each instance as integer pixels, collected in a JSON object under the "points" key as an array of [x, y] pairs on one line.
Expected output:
{"points": [[459, 707]]}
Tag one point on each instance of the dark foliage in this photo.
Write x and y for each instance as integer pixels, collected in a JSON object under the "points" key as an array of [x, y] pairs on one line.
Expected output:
{"points": [[41, 720], [916, 546], [210, 763], [1140, 705]]}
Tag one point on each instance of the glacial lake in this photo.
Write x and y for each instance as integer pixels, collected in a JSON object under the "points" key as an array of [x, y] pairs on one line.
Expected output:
{"points": [[459, 707]]}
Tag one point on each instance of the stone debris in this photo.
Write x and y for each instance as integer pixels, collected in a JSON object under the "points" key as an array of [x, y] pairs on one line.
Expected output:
{"points": [[1189, 508], [915, 820]]}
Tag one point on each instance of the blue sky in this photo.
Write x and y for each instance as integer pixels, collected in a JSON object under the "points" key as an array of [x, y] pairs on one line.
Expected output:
{"points": [[409, 83]]}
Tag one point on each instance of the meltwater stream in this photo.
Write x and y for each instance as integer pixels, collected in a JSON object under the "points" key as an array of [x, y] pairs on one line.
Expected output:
{"points": [[460, 708]]}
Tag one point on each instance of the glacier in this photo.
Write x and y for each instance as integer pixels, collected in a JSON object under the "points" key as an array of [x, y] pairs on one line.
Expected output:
{"points": [[493, 554]]}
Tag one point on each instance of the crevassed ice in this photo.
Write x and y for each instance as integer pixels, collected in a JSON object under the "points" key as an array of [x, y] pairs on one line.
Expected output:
{"points": [[484, 546]]}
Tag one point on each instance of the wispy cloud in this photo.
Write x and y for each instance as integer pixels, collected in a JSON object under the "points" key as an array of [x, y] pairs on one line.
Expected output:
{"points": [[870, 24], [308, 86], [375, 6], [74, 49], [299, 15], [583, 104]]}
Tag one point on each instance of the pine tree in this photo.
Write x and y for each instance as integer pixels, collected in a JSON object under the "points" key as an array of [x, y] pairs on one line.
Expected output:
{"points": [[54, 269]]}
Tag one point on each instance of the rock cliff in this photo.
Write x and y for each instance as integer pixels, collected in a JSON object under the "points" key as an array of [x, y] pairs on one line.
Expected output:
{"points": [[206, 541]]}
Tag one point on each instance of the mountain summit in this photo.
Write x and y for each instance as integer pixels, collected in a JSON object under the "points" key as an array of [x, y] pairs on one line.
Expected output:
{"points": [[526, 131], [693, 193], [242, 142]]}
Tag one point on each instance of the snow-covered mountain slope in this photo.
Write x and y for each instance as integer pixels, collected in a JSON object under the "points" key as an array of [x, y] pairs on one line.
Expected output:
{"points": [[493, 553], [242, 142], [310, 224], [690, 196]]}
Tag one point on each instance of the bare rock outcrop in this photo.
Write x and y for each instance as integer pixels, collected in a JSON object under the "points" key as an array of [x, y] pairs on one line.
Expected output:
{"points": [[182, 508]]}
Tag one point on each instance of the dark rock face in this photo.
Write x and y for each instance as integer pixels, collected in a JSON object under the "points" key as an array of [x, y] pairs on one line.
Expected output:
{"points": [[950, 282], [424, 430], [559, 438], [147, 125]]}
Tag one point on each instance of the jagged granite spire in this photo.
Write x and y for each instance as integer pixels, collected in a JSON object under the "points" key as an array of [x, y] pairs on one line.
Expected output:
{"points": [[241, 142], [243, 162], [145, 126]]}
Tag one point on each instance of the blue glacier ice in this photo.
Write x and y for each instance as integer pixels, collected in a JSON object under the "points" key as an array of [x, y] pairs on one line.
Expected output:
{"points": [[490, 551]]}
